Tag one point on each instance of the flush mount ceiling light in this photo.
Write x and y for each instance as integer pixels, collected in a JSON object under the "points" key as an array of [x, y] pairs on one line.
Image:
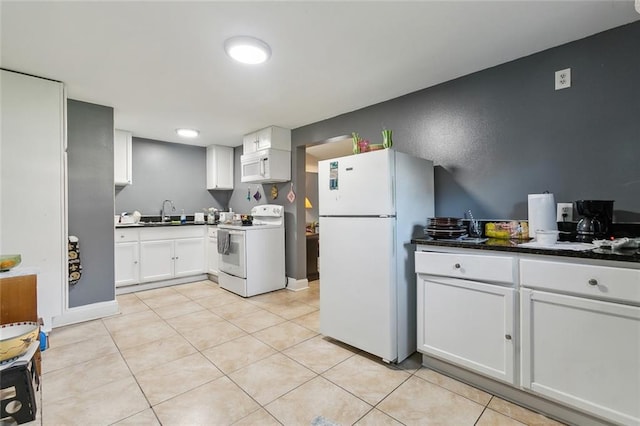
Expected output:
{"points": [[248, 50], [187, 133]]}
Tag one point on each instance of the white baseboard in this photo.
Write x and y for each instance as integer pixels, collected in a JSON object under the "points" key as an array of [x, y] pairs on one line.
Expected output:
{"points": [[86, 313], [157, 284], [297, 285]]}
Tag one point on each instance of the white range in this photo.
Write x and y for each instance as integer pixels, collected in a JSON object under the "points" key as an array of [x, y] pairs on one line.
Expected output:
{"points": [[254, 262]]}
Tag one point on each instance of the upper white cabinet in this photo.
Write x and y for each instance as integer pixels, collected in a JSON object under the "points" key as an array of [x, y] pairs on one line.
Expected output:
{"points": [[122, 164], [270, 138], [219, 167]]}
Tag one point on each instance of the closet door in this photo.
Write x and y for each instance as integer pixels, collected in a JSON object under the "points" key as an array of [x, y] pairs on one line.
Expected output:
{"points": [[32, 191]]}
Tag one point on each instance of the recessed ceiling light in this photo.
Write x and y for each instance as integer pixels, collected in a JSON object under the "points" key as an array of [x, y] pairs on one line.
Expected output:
{"points": [[248, 50], [187, 133]]}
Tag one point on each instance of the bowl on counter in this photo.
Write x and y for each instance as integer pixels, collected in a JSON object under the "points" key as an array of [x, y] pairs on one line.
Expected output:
{"points": [[547, 238], [16, 337], [8, 261]]}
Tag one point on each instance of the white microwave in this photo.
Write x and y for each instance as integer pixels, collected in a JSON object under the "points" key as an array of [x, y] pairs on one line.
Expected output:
{"points": [[268, 165]]}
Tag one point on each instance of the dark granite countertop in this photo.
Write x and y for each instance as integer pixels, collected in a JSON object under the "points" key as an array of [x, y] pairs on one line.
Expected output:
{"points": [[156, 224], [494, 244]]}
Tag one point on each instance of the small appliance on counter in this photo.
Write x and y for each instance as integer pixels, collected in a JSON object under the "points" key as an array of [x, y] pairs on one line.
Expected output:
{"points": [[597, 217]]}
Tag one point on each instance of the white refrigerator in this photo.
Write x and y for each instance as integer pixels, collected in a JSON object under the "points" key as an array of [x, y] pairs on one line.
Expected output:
{"points": [[371, 205]]}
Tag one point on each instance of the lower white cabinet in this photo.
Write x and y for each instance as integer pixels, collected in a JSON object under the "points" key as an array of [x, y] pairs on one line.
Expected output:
{"points": [[468, 323], [212, 251], [166, 259], [571, 344], [161, 253], [127, 269], [577, 349], [583, 352], [189, 257], [156, 260]]}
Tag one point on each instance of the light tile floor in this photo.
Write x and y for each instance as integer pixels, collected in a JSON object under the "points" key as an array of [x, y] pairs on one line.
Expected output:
{"points": [[195, 354]]}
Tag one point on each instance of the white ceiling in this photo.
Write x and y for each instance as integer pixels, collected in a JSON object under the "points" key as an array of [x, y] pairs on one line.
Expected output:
{"points": [[161, 65]]}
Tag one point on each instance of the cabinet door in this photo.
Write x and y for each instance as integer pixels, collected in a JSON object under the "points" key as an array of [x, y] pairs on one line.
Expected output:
{"points": [[219, 167], [264, 139], [127, 269], [122, 164], [249, 143], [156, 260], [189, 256], [468, 323], [582, 352]]}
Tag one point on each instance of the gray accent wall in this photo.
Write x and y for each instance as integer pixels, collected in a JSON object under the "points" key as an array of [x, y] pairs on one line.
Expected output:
{"points": [[90, 199], [504, 132], [168, 171]]}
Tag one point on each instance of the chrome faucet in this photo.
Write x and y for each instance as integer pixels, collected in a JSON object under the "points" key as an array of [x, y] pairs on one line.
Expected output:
{"points": [[163, 212]]}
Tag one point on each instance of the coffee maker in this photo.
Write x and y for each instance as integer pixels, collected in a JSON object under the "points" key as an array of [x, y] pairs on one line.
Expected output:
{"points": [[597, 216]]}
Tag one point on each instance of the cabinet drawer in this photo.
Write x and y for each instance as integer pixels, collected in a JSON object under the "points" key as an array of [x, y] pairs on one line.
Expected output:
{"points": [[126, 235], [466, 266], [171, 232], [602, 282]]}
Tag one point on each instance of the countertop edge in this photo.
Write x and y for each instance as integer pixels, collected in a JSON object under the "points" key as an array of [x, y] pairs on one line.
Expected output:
{"points": [[592, 254]]}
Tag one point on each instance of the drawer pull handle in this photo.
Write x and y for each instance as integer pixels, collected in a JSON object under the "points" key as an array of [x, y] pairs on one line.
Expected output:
{"points": [[507, 336], [593, 281], [457, 266]]}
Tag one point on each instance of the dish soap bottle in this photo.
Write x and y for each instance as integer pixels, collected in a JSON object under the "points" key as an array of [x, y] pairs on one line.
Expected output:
{"points": [[183, 217]]}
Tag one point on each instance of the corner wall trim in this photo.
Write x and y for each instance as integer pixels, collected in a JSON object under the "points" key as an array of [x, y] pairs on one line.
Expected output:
{"points": [[294, 284]]}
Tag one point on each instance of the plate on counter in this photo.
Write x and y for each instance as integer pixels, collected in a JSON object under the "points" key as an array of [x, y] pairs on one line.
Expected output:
{"points": [[445, 233], [439, 222]]}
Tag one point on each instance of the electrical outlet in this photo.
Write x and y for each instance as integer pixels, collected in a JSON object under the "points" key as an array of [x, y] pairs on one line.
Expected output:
{"points": [[564, 212], [563, 79]]}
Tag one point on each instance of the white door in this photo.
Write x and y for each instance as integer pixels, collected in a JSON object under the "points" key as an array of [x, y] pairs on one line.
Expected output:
{"points": [[189, 256], [583, 352], [156, 260], [358, 297], [33, 206], [357, 185], [468, 323], [233, 263], [127, 269]]}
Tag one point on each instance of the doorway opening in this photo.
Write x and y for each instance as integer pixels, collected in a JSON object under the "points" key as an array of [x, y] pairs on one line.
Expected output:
{"points": [[339, 146]]}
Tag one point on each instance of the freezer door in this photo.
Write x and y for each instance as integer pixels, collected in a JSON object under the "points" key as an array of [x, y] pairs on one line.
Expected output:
{"points": [[357, 185], [358, 289]]}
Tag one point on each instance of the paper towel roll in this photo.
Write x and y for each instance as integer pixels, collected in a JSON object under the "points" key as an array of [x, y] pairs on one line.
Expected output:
{"points": [[542, 213]]}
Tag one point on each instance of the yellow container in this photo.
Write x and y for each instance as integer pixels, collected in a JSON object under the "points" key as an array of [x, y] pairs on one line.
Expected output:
{"points": [[518, 230]]}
